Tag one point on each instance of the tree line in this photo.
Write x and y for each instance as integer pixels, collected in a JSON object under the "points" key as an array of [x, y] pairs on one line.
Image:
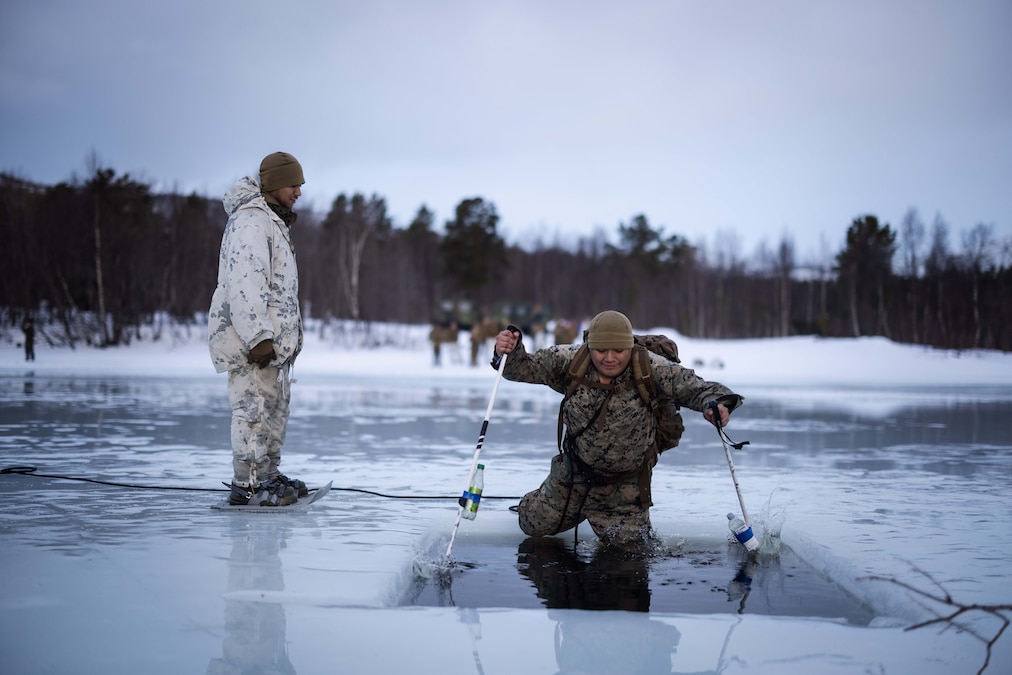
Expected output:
{"points": [[98, 258]]}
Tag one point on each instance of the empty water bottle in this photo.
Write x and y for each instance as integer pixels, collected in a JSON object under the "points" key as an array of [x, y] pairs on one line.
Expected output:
{"points": [[742, 532], [472, 495]]}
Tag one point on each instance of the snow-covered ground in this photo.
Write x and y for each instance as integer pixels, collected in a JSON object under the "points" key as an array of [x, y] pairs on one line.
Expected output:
{"points": [[98, 579], [760, 363]]}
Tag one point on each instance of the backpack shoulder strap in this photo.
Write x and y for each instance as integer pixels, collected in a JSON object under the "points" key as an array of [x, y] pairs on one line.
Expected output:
{"points": [[643, 378], [575, 373], [577, 370]]}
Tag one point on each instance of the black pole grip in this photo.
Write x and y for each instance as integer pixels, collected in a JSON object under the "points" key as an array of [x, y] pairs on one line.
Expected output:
{"points": [[712, 405]]}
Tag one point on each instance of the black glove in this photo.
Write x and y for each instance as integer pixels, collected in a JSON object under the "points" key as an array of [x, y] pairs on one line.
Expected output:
{"points": [[262, 354]]}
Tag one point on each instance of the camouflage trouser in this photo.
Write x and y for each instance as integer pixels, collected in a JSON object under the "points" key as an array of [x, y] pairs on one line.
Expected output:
{"points": [[566, 499], [260, 399]]}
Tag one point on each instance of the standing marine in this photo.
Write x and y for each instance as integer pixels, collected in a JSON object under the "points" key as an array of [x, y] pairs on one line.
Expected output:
{"points": [[255, 327]]}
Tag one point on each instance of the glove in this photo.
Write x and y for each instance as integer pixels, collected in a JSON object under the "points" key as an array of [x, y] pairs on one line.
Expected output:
{"points": [[262, 354]]}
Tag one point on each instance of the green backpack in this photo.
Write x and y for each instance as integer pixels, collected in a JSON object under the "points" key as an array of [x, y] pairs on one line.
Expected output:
{"points": [[669, 419]]}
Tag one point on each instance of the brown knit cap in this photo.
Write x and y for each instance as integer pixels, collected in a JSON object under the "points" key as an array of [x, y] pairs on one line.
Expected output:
{"points": [[610, 330], [278, 170]]}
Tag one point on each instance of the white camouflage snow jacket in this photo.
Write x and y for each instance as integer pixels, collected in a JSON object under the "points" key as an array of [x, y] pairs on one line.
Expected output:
{"points": [[257, 296]]}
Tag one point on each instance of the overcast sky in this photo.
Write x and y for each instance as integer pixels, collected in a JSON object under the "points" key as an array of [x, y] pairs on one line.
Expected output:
{"points": [[719, 121]]}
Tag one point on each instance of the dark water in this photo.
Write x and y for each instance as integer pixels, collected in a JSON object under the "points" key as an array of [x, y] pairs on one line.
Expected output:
{"points": [[691, 577]]}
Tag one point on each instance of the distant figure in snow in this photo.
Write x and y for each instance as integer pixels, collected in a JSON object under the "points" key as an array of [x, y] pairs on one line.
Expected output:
{"points": [[255, 327], [485, 329], [28, 326], [565, 332], [444, 334]]}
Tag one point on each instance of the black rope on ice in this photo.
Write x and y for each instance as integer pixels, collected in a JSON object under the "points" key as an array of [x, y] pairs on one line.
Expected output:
{"points": [[386, 496], [33, 472]]}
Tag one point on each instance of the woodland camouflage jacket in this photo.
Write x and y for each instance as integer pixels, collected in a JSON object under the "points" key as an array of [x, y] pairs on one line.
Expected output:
{"points": [[257, 296], [611, 431]]}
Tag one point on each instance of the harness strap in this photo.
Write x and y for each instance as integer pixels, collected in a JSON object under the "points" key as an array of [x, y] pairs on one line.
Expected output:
{"points": [[596, 478], [642, 380], [576, 376], [573, 436]]}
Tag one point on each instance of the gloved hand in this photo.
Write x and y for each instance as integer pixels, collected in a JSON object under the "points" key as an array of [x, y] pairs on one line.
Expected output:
{"points": [[262, 354]]}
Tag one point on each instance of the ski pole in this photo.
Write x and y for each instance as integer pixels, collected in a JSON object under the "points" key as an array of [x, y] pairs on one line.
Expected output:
{"points": [[724, 439], [737, 488], [477, 449]]}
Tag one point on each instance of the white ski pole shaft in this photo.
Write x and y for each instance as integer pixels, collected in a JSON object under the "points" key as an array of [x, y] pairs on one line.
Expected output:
{"points": [[737, 488], [730, 462], [477, 449]]}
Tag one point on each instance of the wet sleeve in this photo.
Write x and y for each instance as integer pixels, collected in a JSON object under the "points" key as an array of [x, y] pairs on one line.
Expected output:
{"points": [[546, 366], [684, 387]]}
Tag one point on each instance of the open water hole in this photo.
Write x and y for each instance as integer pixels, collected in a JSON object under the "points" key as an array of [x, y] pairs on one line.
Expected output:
{"points": [[691, 577]]}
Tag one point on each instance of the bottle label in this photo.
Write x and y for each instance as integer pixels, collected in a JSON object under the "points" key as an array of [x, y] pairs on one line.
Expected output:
{"points": [[747, 538]]}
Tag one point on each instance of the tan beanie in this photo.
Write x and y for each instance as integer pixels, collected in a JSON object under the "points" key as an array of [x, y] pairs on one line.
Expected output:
{"points": [[278, 170], [610, 330]]}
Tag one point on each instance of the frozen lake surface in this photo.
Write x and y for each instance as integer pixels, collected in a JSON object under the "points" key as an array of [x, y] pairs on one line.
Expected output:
{"points": [[136, 573]]}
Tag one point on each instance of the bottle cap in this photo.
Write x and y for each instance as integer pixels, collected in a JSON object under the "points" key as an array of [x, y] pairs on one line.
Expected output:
{"points": [[481, 466]]}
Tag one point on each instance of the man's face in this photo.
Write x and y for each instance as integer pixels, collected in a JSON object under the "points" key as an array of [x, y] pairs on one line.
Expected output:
{"points": [[610, 362], [286, 196]]}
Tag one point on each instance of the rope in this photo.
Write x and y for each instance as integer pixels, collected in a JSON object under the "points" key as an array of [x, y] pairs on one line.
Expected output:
{"points": [[33, 472]]}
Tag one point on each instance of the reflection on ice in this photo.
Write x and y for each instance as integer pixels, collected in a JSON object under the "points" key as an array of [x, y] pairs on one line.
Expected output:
{"points": [[705, 577], [254, 640]]}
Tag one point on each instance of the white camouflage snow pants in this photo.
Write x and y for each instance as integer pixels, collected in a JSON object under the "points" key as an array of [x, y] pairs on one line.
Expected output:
{"points": [[260, 399]]}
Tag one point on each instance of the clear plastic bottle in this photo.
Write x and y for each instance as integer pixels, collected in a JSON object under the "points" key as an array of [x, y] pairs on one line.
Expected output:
{"points": [[472, 496], [742, 532]]}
